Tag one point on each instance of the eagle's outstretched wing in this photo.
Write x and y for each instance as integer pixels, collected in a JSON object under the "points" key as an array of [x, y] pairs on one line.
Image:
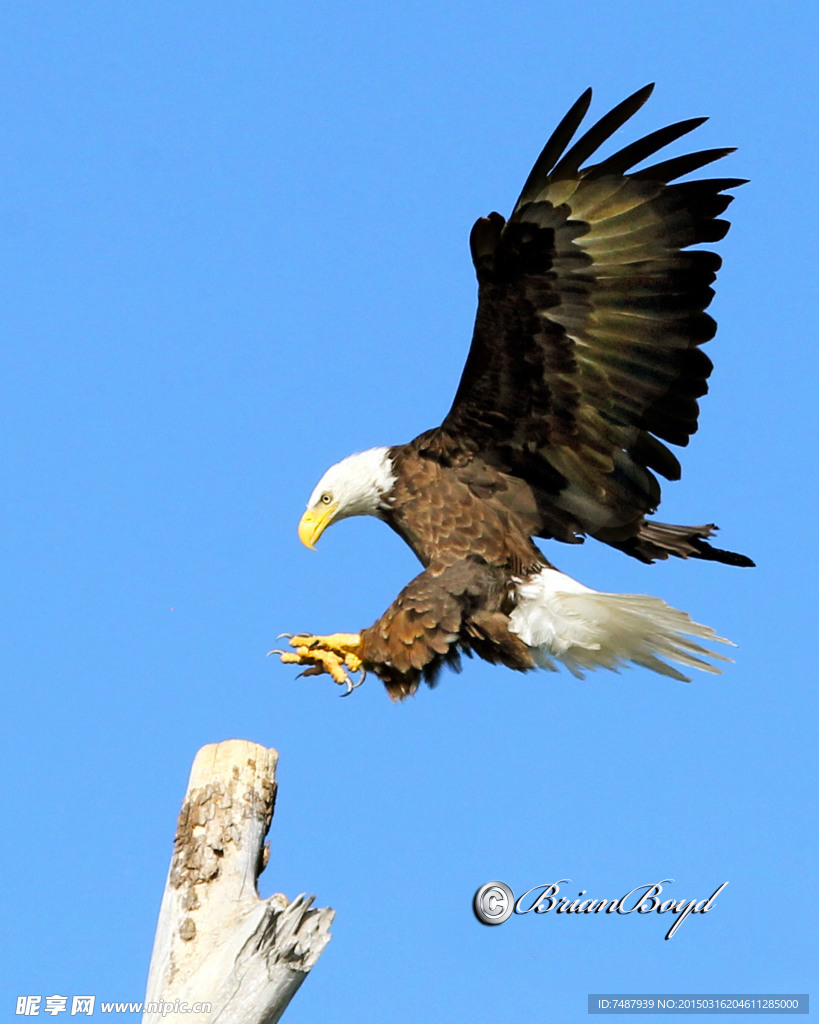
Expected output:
{"points": [[586, 352]]}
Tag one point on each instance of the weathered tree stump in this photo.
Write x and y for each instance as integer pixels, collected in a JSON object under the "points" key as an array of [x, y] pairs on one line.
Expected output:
{"points": [[216, 941]]}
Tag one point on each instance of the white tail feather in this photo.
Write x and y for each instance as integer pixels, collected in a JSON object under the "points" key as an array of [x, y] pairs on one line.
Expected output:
{"points": [[584, 629]]}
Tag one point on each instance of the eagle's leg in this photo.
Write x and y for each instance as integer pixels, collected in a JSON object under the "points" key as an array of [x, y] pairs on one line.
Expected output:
{"points": [[336, 654], [341, 643]]}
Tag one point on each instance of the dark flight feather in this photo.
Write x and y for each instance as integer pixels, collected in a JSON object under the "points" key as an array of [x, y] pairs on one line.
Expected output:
{"points": [[626, 158], [559, 139]]}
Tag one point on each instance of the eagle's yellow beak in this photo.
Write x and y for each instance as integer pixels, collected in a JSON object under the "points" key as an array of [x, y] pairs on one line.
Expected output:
{"points": [[314, 522]]}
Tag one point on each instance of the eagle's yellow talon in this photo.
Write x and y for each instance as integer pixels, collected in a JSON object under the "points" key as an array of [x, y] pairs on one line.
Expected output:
{"points": [[331, 654], [288, 657], [353, 662]]}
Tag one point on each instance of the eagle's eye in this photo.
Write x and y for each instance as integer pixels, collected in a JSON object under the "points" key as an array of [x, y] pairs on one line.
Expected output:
{"points": [[326, 498]]}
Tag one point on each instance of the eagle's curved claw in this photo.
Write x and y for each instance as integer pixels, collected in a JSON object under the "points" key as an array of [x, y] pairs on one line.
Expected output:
{"points": [[350, 684], [337, 655]]}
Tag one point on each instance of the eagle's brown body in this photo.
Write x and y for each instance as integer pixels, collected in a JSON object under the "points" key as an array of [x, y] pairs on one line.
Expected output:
{"points": [[475, 510], [472, 539], [585, 363]]}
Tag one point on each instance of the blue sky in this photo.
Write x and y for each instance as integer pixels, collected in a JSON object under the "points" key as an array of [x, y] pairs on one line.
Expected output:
{"points": [[234, 249]]}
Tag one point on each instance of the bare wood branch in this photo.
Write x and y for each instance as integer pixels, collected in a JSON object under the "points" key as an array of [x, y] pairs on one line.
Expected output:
{"points": [[216, 941]]}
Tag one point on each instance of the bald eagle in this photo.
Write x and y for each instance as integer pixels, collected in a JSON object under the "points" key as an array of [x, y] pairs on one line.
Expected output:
{"points": [[585, 362]]}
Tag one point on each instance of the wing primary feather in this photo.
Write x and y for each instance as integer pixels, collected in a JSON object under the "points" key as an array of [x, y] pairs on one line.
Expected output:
{"points": [[707, 187], [677, 166], [600, 132], [720, 184], [623, 159], [550, 154], [655, 455]]}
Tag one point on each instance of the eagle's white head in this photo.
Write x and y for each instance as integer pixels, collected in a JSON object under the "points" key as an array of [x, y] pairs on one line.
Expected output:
{"points": [[356, 486]]}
